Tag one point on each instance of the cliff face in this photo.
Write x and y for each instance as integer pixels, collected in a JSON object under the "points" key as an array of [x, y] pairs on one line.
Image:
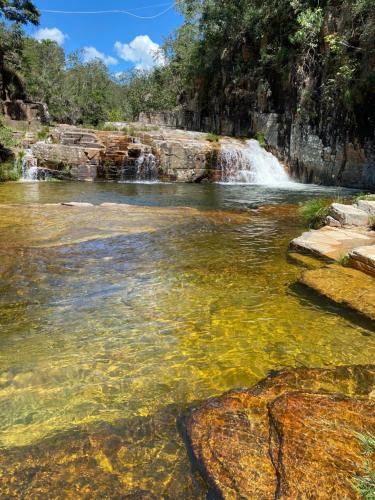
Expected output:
{"points": [[312, 155], [316, 109]]}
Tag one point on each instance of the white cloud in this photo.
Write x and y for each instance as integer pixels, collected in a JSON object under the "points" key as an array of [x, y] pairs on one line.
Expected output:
{"points": [[53, 34], [142, 51], [91, 53]]}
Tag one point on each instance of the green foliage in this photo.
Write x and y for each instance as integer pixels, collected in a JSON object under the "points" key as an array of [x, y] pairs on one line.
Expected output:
{"points": [[365, 196], [9, 171], [261, 138], [343, 260], [365, 484], [372, 222], [309, 25], [19, 11], [314, 212], [212, 137], [43, 133], [8, 139]]}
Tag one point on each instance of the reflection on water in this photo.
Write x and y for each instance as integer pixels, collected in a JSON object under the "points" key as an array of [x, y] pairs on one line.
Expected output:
{"points": [[127, 315]]}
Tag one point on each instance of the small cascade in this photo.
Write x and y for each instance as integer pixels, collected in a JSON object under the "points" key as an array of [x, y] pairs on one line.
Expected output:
{"points": [[249, 163], [147, 167], [140, 164], [29, 166]]}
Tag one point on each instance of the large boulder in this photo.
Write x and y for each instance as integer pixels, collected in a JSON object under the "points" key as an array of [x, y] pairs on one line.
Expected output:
{"points": [[349, 215], [293, 435]]}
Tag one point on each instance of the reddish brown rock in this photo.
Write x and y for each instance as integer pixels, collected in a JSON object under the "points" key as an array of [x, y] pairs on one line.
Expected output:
{"points": [[229, 437], [315, 449]]}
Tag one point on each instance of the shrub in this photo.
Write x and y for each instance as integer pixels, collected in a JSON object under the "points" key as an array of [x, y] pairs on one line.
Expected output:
{"points": [[108, 127], [365, 196], [43, 133], [343, 261], [129, 131], [261, 138], [210, 137], [314, 212], [9, 171], [372, 222]]}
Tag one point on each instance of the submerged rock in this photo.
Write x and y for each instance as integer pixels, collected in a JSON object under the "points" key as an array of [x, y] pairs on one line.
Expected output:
{"points": [[100, 461], [291, 436], [345, 286]]}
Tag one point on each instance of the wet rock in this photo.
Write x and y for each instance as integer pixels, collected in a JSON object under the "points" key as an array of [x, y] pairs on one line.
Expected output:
{"points": [[119, 459], [349, 215], [332, 243], [229, 436], [363, 258], [306, 261], [345, 286], [314, 445]]}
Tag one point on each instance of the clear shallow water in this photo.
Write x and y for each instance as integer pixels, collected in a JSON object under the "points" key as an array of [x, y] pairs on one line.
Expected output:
{"points": [[133, 314], [204, 196]]}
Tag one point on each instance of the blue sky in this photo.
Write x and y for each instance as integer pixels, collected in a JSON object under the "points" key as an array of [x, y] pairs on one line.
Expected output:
{"points": [[121, 41]]}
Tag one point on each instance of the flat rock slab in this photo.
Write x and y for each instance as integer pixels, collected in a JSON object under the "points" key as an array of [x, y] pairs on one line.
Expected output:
{"points": [[349, 215], [363, 258], [345, 286], [315, 448], [331, 242], [229, 437]]}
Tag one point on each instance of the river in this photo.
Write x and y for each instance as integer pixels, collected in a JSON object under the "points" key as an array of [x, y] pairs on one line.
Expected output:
{"points": [[125, 316]]}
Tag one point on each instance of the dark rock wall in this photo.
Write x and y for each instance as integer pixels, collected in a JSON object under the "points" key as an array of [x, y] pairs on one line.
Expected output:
{"points": [[312, 155]]}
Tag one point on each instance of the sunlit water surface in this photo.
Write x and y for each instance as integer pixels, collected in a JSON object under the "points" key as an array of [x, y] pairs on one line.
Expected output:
{"points": [[110, 313]]}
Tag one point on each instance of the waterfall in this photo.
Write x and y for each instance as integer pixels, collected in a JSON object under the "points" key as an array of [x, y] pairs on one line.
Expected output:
{"points": [[29, 166], [249, 163], [147, 167]]}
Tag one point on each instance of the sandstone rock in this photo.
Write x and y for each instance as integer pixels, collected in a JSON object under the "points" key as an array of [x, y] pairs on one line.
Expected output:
{"points": [[367, 206], [349, 215], [229, 436], [363, 258], [332, 243], [330, 221], [345, 286], [314, 446]]}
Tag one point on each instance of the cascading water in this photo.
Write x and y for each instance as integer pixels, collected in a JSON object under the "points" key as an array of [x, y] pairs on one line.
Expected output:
{"points": [[147, 167], [29, 166], [249, 163]]}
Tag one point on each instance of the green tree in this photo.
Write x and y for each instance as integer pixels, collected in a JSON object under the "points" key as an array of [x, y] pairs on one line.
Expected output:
{"points": [[43, 70], [16, 12]]}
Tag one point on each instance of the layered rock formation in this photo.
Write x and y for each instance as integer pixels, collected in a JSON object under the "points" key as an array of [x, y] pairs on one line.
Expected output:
{"points": [[312, 156], [163, 154], [294, 435]]}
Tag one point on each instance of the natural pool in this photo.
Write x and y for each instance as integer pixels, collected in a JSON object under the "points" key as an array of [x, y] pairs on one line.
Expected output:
{"points": [[113, 320]]}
